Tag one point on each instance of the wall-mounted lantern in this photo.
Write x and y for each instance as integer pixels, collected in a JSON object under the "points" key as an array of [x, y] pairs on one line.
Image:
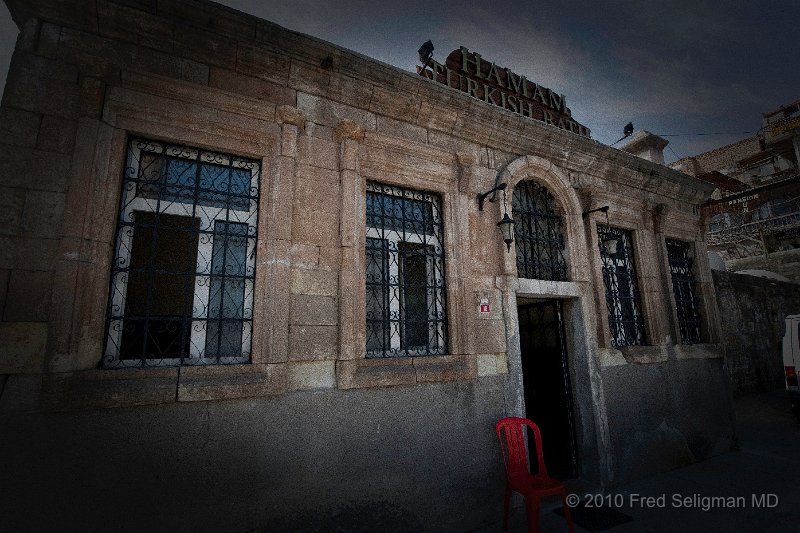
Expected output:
{"points": [[506, 223], [507, 227], [609, 244]]}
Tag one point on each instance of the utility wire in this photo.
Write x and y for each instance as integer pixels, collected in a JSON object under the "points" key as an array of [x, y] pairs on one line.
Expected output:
{"points": [[715, 133], [691, 134], [677, 157]]}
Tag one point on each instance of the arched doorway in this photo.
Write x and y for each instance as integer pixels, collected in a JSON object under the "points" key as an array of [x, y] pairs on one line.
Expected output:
{"points": [[540, 255]]}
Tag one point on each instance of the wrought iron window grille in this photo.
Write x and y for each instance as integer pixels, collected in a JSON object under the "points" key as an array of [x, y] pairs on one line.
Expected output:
{"points": [[683, 287], [538, 233], [623, 300], [405, 279], [181, 290]]}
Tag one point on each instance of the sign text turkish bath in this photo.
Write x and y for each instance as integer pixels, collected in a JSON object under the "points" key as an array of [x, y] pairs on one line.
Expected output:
{"points": [[467, 72]]}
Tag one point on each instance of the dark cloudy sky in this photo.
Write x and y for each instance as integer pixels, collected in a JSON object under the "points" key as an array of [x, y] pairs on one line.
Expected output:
{"points": [[670, 67]]}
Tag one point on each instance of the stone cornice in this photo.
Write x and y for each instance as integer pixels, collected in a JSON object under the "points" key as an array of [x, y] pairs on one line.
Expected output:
{"points": [[451, 111]]}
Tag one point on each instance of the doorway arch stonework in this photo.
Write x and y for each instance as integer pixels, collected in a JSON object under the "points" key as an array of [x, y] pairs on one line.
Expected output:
{"points": [[576, 296], [556, 180]]}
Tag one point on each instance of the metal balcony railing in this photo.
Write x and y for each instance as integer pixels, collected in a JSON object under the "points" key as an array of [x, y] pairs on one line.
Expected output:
{"points": [[757, 228]]}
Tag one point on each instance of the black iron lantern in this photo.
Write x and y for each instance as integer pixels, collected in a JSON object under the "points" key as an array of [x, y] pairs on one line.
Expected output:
{"points": [[610, 246], [506, 225], [609, 242]]}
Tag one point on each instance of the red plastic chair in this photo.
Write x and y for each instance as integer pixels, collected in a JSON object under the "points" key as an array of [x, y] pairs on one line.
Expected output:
{"points": [[510, 432]]}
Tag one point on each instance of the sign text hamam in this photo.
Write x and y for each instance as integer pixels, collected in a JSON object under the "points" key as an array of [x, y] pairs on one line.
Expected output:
{"points": [[467, 72]]}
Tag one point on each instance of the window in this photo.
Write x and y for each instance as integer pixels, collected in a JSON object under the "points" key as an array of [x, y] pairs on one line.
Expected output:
{"points": [[404, 255], [683, 286], [537, 232], [622, 291], [184, 261]]}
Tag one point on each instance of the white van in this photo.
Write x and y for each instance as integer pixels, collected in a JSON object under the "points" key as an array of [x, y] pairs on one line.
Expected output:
{"points": [[791, 361]]}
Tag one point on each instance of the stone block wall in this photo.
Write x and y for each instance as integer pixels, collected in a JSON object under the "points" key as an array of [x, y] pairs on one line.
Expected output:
{"points": [[39, 124], [85, 76], [753, 311]]}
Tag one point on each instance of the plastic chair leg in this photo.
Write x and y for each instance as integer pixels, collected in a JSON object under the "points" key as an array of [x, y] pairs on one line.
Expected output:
{"points": [[567, 514], [506, 506], [532, 504]]}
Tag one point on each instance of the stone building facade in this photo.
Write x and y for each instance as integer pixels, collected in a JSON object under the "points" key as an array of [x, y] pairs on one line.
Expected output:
{"points": [[245, 267]]}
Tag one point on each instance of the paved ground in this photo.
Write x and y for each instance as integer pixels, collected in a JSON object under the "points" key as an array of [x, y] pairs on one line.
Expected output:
{"points": [[768, 463]]}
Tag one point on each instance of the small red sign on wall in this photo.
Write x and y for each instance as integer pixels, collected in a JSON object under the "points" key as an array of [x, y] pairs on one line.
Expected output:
{"points": [[486, 308]]}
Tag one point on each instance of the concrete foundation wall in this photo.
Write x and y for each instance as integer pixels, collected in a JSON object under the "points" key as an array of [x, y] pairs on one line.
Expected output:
{"points": [[413, 458], [665, 415], [753, 311]]}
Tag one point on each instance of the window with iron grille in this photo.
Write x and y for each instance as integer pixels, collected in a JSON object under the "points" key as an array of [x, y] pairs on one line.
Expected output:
{"points": [[683, 287], [622, 290], [405, 285], [184, 259], [537, 233]]}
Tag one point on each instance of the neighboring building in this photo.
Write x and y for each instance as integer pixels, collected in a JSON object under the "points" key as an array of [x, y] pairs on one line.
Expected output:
{"points": [[754, 307], [247, 282], [754, 215]]}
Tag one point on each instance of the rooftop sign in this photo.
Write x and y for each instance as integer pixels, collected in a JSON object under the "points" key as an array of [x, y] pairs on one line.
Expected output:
{"points": [[484, 80]]}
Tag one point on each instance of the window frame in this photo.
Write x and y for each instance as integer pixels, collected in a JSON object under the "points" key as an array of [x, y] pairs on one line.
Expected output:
{"points": [[131, 202], [617, 322], [435, 288], [697, 322]]}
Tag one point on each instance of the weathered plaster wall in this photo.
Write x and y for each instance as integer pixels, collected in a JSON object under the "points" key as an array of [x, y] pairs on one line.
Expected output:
{"points": [[410, 458], [753, 311], [665, 415]]}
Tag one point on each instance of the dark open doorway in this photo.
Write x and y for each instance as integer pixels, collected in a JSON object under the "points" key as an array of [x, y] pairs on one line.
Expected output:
{"points": [[545, 374]]}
